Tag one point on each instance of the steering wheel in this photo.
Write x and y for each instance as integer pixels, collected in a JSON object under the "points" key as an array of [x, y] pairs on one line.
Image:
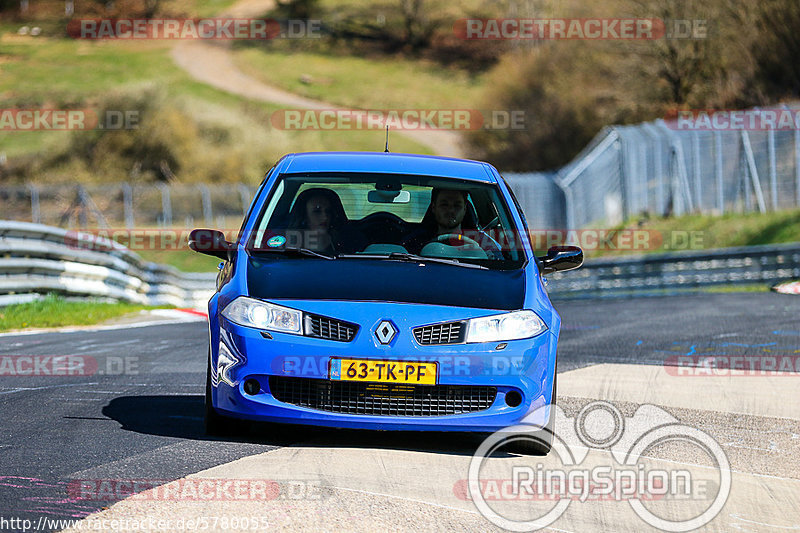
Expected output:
{"points": [[457, 236], [494, 248]]}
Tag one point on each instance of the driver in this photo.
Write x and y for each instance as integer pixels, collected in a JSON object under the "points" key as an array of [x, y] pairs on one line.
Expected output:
{"points": [[445, 215], [448, 207]]}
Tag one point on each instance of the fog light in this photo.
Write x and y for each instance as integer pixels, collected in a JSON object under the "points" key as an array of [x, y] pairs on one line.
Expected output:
{"points": [[252, 387], [513, 398]]}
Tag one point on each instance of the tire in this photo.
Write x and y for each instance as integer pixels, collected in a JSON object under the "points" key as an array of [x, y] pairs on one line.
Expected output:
{"points": [[539, 442], [216, 424]]}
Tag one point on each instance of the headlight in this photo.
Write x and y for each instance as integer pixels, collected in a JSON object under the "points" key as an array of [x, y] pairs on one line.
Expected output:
{"points": [[262, 315], [505, 327]]}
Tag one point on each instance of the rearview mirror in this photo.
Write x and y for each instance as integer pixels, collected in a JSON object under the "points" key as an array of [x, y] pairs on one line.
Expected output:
{"points": [[389, 197], [560, 258], [210, 242]]}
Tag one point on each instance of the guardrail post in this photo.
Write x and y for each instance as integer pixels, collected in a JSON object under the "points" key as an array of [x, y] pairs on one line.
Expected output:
{"points": [[718, 170], [127, 205], [244, 194], [35, 211], [166, 205], [797, 166], [679, 166], [206, 196], [654, 150], [619, 146], [773, 169], [698, 191], [659, 165], [570, 208], [644, 175], [83, 203], [753, 172]]}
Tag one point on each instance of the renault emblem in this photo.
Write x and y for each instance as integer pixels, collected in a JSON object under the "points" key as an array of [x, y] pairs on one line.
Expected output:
{"points": [[385, 332]]}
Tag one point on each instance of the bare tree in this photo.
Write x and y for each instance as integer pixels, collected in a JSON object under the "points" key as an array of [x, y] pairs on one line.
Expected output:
{"points": [[418, 28]]}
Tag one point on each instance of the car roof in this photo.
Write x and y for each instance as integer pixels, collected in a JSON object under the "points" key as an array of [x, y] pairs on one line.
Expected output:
{"points": [[394, 163]]}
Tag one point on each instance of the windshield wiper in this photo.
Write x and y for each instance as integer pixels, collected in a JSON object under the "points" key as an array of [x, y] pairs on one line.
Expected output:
{"points": [[400, 256], [295, 251]]}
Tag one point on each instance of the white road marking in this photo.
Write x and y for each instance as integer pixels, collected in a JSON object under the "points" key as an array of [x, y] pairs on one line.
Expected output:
{"points": [[22, 389], [91, 329], [737, 517]]}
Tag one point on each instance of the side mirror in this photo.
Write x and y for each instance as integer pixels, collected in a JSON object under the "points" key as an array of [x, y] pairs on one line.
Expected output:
{"points": [[210, 242], [560, 258]]}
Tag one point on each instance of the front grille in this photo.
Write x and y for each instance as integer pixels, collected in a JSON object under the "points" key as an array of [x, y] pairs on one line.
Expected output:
{"points": [[329, 328], [449, 333], [381, 399]]}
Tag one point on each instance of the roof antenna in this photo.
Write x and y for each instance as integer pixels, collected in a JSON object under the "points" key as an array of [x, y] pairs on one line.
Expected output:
{"points": [[386, 150]]}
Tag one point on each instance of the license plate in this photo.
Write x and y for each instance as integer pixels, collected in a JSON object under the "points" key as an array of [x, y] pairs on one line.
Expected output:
{"points": [[380, 371]]}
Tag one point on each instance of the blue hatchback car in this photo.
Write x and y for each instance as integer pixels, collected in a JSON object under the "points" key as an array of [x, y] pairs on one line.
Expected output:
{"points": [[382, 291]]}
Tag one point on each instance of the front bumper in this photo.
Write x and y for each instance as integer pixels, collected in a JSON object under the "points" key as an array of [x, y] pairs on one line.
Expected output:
{"points": [[523, 366]]}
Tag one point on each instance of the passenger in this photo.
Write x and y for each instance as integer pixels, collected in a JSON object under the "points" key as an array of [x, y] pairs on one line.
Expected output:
{"points": [[320, 216]]}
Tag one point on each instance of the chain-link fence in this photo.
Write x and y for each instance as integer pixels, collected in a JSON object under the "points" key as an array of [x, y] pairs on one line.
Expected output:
{"points": [[123, 205], [656, 168], [541, 199], [660, 168], [220, 206]]}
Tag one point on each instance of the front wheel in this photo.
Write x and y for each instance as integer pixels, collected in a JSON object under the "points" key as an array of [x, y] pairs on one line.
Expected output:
{"points": [[539, 442]]}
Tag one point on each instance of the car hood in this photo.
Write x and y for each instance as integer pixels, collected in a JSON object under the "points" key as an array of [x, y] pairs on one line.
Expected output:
{"points": [[391, 281]]}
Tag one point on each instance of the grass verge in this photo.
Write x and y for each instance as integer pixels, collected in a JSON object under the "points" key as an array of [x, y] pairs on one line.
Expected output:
{"points": [[183, 259], [233, 138], [54, 311], [361, 82], [703, 232]]}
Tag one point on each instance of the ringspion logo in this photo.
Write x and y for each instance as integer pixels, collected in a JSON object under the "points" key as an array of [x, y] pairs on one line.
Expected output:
{"points": [[599, 455]]}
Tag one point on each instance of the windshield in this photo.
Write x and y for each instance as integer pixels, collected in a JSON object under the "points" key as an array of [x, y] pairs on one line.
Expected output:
{"points": [[388, 216]]}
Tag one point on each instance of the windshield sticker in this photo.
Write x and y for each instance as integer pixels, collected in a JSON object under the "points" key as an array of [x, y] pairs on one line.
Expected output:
{"points": [[276, 241]]}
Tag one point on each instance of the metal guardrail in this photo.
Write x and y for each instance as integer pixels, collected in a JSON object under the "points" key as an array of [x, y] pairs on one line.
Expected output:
{"points": [[665, 273], [38, 259]]}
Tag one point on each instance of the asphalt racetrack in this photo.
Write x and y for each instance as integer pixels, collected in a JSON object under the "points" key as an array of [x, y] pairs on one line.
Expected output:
{"points": [[75, 446]]}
